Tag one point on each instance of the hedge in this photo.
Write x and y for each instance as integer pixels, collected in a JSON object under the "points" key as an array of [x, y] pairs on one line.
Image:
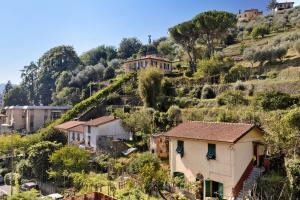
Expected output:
{"points": [[89, 102]]}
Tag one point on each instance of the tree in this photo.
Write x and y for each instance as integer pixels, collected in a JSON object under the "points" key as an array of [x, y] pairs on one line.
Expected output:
{"points": [[29, 76], [249, 54], [128, 47], [52, 64], [150, 85], [67, 160], [27, 195], [260, 31], [174, 115], [109, 73], [141, 123], [7, 87], [54, 135], [94, 56], [150, 174], [16, 96], [87, 75], [213, 26], [273, 100], [167, 49], [38, 156], [63, 80], [67, 96], [186, 34], [272, 4]]}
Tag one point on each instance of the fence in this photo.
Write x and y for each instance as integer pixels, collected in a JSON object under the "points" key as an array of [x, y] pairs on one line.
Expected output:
{"points": [[92, 196]]}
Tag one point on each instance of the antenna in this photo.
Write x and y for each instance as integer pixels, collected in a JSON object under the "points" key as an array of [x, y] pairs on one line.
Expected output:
{"points": [[149, 39]]}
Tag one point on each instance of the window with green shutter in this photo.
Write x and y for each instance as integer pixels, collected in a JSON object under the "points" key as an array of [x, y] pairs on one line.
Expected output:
{"points": [[211, 153], [180, 147], [220, 191]]}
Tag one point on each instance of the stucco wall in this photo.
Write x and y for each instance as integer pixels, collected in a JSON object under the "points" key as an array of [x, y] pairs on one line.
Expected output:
{"points": [[231, 160], [70, 136], [114, 129], [243, 152], [194, 161]]}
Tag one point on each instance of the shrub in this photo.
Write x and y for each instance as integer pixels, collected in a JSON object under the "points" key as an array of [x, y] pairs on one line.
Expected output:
{"points": [[238, 72], [239, 85], [174, 115], [209, 67], [297, 46], [10, 179], [232, 98], [273, 100], [226, 116], [150, 85], [207, 92], [109, 73], [279, 53], [54, 135], [260, 31], [196, 92]]}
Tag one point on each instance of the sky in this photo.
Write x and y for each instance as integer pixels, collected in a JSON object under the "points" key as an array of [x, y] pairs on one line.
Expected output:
{"points": [[28, 28]]}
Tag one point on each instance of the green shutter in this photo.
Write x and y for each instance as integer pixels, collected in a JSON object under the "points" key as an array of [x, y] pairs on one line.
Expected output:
{"points": [[207, 188], [220, 191], [212, 149]]}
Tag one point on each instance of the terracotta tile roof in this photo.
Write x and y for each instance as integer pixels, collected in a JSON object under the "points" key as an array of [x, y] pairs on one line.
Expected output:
{"points": [[211, 131], [68, 125], [79, 128], [100, 121]]}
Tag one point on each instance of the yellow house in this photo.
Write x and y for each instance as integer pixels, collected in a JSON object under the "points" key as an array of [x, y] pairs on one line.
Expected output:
{"points": [[219, 155], [148, 61]]}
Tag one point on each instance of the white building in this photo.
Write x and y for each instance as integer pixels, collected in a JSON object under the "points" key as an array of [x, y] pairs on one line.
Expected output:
{"points": [[284, 5], [106, 126], [90, 133], [32, 118]]}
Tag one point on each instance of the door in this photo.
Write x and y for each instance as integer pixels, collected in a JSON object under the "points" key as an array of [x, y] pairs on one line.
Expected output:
{"points": [[220, 191], [255, 157]]}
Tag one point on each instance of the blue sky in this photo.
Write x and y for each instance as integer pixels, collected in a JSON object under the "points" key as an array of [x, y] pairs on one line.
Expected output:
{"points": [[28, 28]]}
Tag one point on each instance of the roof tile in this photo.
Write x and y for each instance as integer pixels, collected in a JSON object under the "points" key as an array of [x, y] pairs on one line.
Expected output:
{"points": [[211, 131]]}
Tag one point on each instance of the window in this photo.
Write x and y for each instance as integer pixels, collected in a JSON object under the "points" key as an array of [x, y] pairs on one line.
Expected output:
{"points": [[211, 153], [89, 140], [78, 137], [73, 136], [89, 129], [180, 148]]}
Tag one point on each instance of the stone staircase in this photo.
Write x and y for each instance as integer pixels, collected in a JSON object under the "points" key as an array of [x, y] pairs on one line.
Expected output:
{"points": [[249, 183]]}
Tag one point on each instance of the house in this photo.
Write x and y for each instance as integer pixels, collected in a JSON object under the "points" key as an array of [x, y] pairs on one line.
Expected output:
{"points": [[283, 6], [31, 118], [74, 130], [100, 132], [249, 15], [159, 145], [148, 61], [218, 155]]}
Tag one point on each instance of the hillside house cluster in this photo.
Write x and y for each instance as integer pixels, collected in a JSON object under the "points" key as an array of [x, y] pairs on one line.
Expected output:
{"points": [[220, 156], [283, 5], [103, 133], [29, 118], [148, 61], [249, 15]]}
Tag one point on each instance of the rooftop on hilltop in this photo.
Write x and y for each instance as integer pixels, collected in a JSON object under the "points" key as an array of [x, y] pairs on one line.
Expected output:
{"points": [[101, 120], [211, 131], [69, 124]]}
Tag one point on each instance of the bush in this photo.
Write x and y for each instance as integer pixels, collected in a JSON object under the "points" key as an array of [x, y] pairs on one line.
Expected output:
{"points": [[10, 179], [226, 116], [238, 72], [232, 98], [297, 46], [54, 135], [239, 85], [207, 92], [109, 73], [209, 67], [273, 100], [260, 31]]}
